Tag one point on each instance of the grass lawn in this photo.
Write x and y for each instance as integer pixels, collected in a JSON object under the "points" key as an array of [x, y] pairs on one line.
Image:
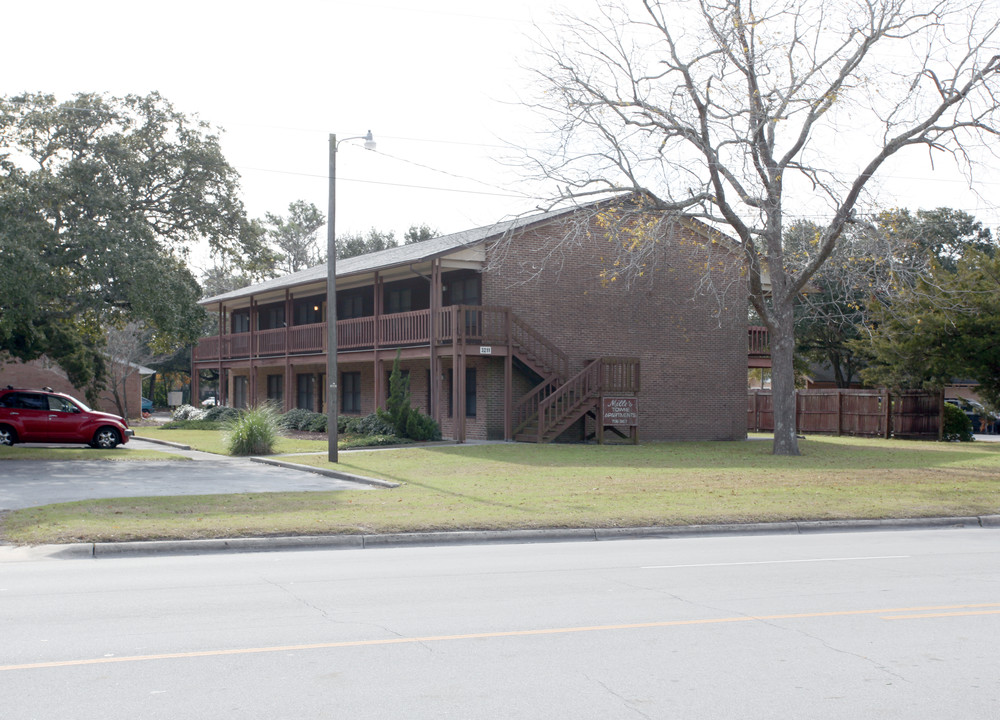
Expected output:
{"points": [[539, 486], [122, 453], [214, 441]]}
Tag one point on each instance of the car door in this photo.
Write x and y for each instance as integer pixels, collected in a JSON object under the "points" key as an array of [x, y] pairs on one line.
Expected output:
{"points": [[65, 421], [32, 411]]}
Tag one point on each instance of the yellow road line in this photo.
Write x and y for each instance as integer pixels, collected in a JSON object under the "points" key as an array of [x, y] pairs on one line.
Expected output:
{"points": [[890, 613], [942, 615]]}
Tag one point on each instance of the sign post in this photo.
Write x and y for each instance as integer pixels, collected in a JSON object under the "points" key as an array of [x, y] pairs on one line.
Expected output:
{"points": [[619, 411]]}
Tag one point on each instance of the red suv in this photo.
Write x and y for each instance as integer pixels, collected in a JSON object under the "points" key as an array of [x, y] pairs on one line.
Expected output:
{"points": [[46, 416]]}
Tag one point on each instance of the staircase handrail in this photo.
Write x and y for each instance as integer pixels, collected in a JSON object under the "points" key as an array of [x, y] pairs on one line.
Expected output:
{"points": [[533, 344], [582, 386], [526, 408]]}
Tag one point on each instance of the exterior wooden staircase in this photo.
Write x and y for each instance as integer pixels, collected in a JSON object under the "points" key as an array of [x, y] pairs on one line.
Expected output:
{"points": [[552, 407]]}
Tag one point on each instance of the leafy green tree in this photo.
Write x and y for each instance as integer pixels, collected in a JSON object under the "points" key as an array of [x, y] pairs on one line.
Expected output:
{"points": [[101, 198], [352, 245], [295, 237], [875, 260], [419, 234], [945, 327]]}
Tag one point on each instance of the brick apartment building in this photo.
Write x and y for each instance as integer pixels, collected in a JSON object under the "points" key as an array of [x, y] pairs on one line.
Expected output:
{"points": [[513, 331]]}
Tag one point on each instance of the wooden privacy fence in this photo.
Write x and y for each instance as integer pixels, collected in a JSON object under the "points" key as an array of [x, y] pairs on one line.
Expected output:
{"points": [[874, 413]]}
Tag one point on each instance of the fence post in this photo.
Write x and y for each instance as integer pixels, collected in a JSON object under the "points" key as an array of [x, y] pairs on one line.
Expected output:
{"points": [[840, 411], [888, 411]]}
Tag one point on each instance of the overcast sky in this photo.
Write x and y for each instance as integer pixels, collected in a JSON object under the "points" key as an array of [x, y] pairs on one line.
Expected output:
{"points": [[436, 81]]}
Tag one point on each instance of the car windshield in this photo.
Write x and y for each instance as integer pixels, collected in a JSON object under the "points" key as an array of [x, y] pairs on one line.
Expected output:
{"points": [[82, 405]]}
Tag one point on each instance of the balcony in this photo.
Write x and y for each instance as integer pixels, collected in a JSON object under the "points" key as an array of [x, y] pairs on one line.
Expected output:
{"points": [[473, 324], [758, 347]]}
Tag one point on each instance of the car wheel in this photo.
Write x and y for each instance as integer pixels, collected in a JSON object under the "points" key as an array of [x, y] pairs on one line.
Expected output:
{"points": [[7, 435], [106, 438]]}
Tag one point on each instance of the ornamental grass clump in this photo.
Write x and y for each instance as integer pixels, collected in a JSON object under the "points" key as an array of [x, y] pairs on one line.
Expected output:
{"points": [[254, 432]]}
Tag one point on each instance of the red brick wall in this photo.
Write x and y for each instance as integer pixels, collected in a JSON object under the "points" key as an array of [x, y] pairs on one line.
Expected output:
{"points": [[43, 373], [692, 345]]}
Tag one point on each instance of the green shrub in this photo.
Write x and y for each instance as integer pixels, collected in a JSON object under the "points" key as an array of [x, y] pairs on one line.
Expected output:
{"points": [[296, 419], [397, 405], [221, 413], [369, 425], [254, 432], [957, 425], [193, 425], [317, 423], [405, 421], [422, 427]]}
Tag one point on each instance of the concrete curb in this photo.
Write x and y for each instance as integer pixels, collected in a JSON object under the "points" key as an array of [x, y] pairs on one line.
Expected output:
{"points": [[157, 441], [336, 474], [470, 537]]}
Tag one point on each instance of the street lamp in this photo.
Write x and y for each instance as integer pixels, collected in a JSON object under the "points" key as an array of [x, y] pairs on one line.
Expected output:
{"points": [[331, 297]]}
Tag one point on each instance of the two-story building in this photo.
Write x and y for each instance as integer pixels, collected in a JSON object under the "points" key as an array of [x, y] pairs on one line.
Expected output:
{"points": [[512, 331]]}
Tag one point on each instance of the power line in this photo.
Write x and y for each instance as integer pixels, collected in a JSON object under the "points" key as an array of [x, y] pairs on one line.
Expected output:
{"points": [[389, 184]]}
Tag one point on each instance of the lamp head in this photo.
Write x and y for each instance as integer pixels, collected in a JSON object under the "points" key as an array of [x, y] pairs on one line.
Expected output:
{"points": [[369, 141]]}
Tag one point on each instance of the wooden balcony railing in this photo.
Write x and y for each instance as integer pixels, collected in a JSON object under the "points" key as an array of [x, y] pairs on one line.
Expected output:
{"points": [[462, 323], [758, 342]]}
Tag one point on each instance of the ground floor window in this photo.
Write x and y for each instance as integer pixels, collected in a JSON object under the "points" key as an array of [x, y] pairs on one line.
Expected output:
{"points": [[241, 391], [470, 393], [276, 388], [350, 392], [305, 391]]}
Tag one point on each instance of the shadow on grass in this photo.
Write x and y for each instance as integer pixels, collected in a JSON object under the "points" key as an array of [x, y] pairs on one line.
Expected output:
{"points": [[818, 453]]}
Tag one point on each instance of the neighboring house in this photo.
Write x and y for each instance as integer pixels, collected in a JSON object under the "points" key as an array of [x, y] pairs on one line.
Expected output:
{"points": [[45, 373], [820, 376], [504, 332]]}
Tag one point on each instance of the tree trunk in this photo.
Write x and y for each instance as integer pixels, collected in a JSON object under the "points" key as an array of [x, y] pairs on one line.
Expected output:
{"points": [[783, 382]]}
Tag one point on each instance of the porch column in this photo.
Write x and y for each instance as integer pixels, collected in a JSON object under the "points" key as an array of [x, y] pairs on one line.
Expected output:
{"points": [[508, 380], [222, 327], [378, 391], [194, 385], [455, 434], [435, 364], [252, 400], [286, 400]]}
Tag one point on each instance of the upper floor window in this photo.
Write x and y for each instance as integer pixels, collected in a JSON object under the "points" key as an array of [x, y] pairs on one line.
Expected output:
{"points": [[399, 301], [241, 321], [464, 291]]}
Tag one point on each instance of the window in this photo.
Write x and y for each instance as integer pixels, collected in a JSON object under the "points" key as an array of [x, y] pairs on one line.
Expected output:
{"points": [[352, 305], [241, 390], [350, 392], [271, 317], [309, 311], [276, 388], [465, 291], [470, 392], [399, 301], [241, 321], [305, 386]]}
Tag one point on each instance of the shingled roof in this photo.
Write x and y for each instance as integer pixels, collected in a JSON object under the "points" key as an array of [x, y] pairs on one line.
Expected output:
{"points": [[397, 256]]}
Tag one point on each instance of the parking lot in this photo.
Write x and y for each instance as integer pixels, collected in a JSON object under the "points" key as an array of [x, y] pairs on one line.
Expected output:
{"points": [[27, 483]]}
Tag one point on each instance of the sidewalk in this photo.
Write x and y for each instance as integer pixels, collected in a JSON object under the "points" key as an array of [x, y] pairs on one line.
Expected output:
{"points": [[152, 548]]}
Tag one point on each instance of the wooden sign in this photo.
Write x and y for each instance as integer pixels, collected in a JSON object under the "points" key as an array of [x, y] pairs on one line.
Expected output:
{"points": [[621, 411]]}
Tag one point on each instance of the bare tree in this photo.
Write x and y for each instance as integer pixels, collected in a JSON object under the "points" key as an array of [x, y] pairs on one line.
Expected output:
{"points": [[126, 348], [744, 114]]}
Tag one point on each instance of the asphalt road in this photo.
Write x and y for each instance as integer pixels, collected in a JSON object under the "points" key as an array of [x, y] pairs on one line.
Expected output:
{"points": [[846, 625], [27, 483]]}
